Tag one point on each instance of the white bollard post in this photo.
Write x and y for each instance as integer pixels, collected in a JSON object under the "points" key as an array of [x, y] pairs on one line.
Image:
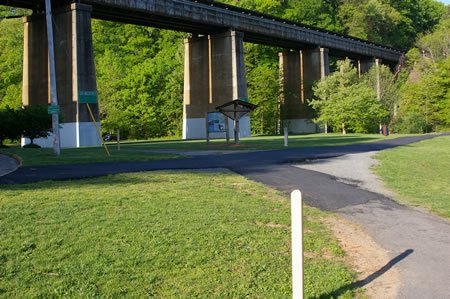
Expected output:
{"points": [[285, 137], [297, 244]]}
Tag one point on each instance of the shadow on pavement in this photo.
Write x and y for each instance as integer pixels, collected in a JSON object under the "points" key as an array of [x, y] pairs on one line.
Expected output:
{"points": [[370, 278]]}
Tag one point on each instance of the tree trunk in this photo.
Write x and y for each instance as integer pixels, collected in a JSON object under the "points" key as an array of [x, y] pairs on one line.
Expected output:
{"points": [[344, 131]]}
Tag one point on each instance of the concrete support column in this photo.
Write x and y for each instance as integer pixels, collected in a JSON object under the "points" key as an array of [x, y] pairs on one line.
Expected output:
{"points": [[366, 65], [298, 72], [214, 73], [75, 72]]}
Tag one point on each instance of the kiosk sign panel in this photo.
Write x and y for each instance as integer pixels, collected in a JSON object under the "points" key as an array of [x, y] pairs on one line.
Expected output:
{"points": [[216, 122]]}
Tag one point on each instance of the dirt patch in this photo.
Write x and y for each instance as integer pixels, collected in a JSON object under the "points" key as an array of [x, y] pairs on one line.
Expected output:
{"points": [[270, 224], [366, 257]]}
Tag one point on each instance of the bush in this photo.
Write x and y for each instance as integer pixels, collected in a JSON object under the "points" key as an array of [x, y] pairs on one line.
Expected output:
{"points": [[31, 122], [10, 125], [36, 122], [410, 123]]}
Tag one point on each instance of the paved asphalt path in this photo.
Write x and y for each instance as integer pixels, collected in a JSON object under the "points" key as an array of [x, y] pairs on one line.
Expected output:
{"points": [[241, 162], [418, 243]]}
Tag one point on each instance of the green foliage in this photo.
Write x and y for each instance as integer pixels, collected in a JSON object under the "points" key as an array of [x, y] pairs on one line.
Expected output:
{"points": [[409, 123], [11, 53], [427, 90], [346, 101], [263, 88], [36, 122], [373, 20], [140, 79], [392, 22], [390, 94], [10, 125]]}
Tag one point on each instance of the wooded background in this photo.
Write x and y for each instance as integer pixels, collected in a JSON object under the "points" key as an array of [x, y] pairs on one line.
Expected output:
{"points": [[140, 69]]}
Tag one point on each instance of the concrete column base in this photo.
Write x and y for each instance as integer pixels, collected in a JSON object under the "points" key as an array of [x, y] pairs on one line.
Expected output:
{"points": [[194, 128], [301, 126], [72, 135]]}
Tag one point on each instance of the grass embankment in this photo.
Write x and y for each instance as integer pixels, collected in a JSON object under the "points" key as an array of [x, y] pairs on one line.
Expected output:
{"points": [[159, 234], [419, 173], [45, 156], [259, 142]]}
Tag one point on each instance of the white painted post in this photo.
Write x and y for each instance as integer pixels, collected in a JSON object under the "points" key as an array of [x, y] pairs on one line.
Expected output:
{"points": [[285, 137], [297, 244]]}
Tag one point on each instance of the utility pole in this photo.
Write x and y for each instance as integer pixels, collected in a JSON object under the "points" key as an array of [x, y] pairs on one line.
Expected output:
{"points": [[53, 94]]}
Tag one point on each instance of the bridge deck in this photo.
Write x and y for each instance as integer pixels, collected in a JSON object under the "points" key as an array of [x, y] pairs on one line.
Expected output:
{"points": [[205, 17]]}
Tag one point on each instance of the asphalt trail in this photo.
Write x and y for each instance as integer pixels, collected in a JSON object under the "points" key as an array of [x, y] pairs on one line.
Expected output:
{"points": [[242, 162]]}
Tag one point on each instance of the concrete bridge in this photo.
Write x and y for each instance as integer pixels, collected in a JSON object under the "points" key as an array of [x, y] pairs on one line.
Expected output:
{"points": [[214, 60]]}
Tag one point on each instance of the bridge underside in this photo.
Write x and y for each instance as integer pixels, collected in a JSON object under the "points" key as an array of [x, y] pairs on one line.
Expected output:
{"points": [[204, 17]]}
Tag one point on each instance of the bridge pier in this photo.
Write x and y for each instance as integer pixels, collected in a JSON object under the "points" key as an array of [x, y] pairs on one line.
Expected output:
{"points": [[365, 66], [214, 73], [298, 72], [75, 72]]}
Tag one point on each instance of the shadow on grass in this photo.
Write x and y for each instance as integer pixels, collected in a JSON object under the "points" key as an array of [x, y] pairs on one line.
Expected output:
{"points": [[108, 180], [370, 278]]}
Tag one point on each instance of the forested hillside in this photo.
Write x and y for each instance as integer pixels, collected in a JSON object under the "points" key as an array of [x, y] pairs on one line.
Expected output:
{"points": [[140, 69]]}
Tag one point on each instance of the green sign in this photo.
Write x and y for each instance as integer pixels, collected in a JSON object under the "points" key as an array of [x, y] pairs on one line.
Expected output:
{"points": [[244, 99], [53, 109], [87, 97]]}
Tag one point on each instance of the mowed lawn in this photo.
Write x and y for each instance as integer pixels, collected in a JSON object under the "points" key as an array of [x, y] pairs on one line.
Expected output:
{"points": [[259, 142], [419, 173], [162, 234], [45, 156]]}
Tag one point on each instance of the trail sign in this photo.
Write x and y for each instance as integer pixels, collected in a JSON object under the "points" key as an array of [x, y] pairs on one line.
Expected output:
{"points": [[87, 97], [53, 109]]}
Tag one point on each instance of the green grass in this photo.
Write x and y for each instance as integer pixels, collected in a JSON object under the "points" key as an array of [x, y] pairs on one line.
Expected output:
{"points": [[419, 173], [45, 156], [162, 234], [260, 142]]}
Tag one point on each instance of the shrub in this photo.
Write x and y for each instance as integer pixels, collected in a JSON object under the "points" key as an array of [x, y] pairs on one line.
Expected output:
{"points": [[36, 122], [410, 123], [10, 125]]}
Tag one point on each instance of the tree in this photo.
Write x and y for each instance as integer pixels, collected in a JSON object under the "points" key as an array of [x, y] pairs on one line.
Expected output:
{"points": [[263, 88], [426, 92], [389, 88], [10, 125], [36, 122], [349, 103], [11, 53]]}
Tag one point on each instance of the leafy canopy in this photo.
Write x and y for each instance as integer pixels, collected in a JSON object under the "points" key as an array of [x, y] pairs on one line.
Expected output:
{"points": [[346, 101]]}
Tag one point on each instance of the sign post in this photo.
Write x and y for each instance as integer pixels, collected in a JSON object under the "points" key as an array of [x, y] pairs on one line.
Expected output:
{"points": [[53, 93], [90, 97]]}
